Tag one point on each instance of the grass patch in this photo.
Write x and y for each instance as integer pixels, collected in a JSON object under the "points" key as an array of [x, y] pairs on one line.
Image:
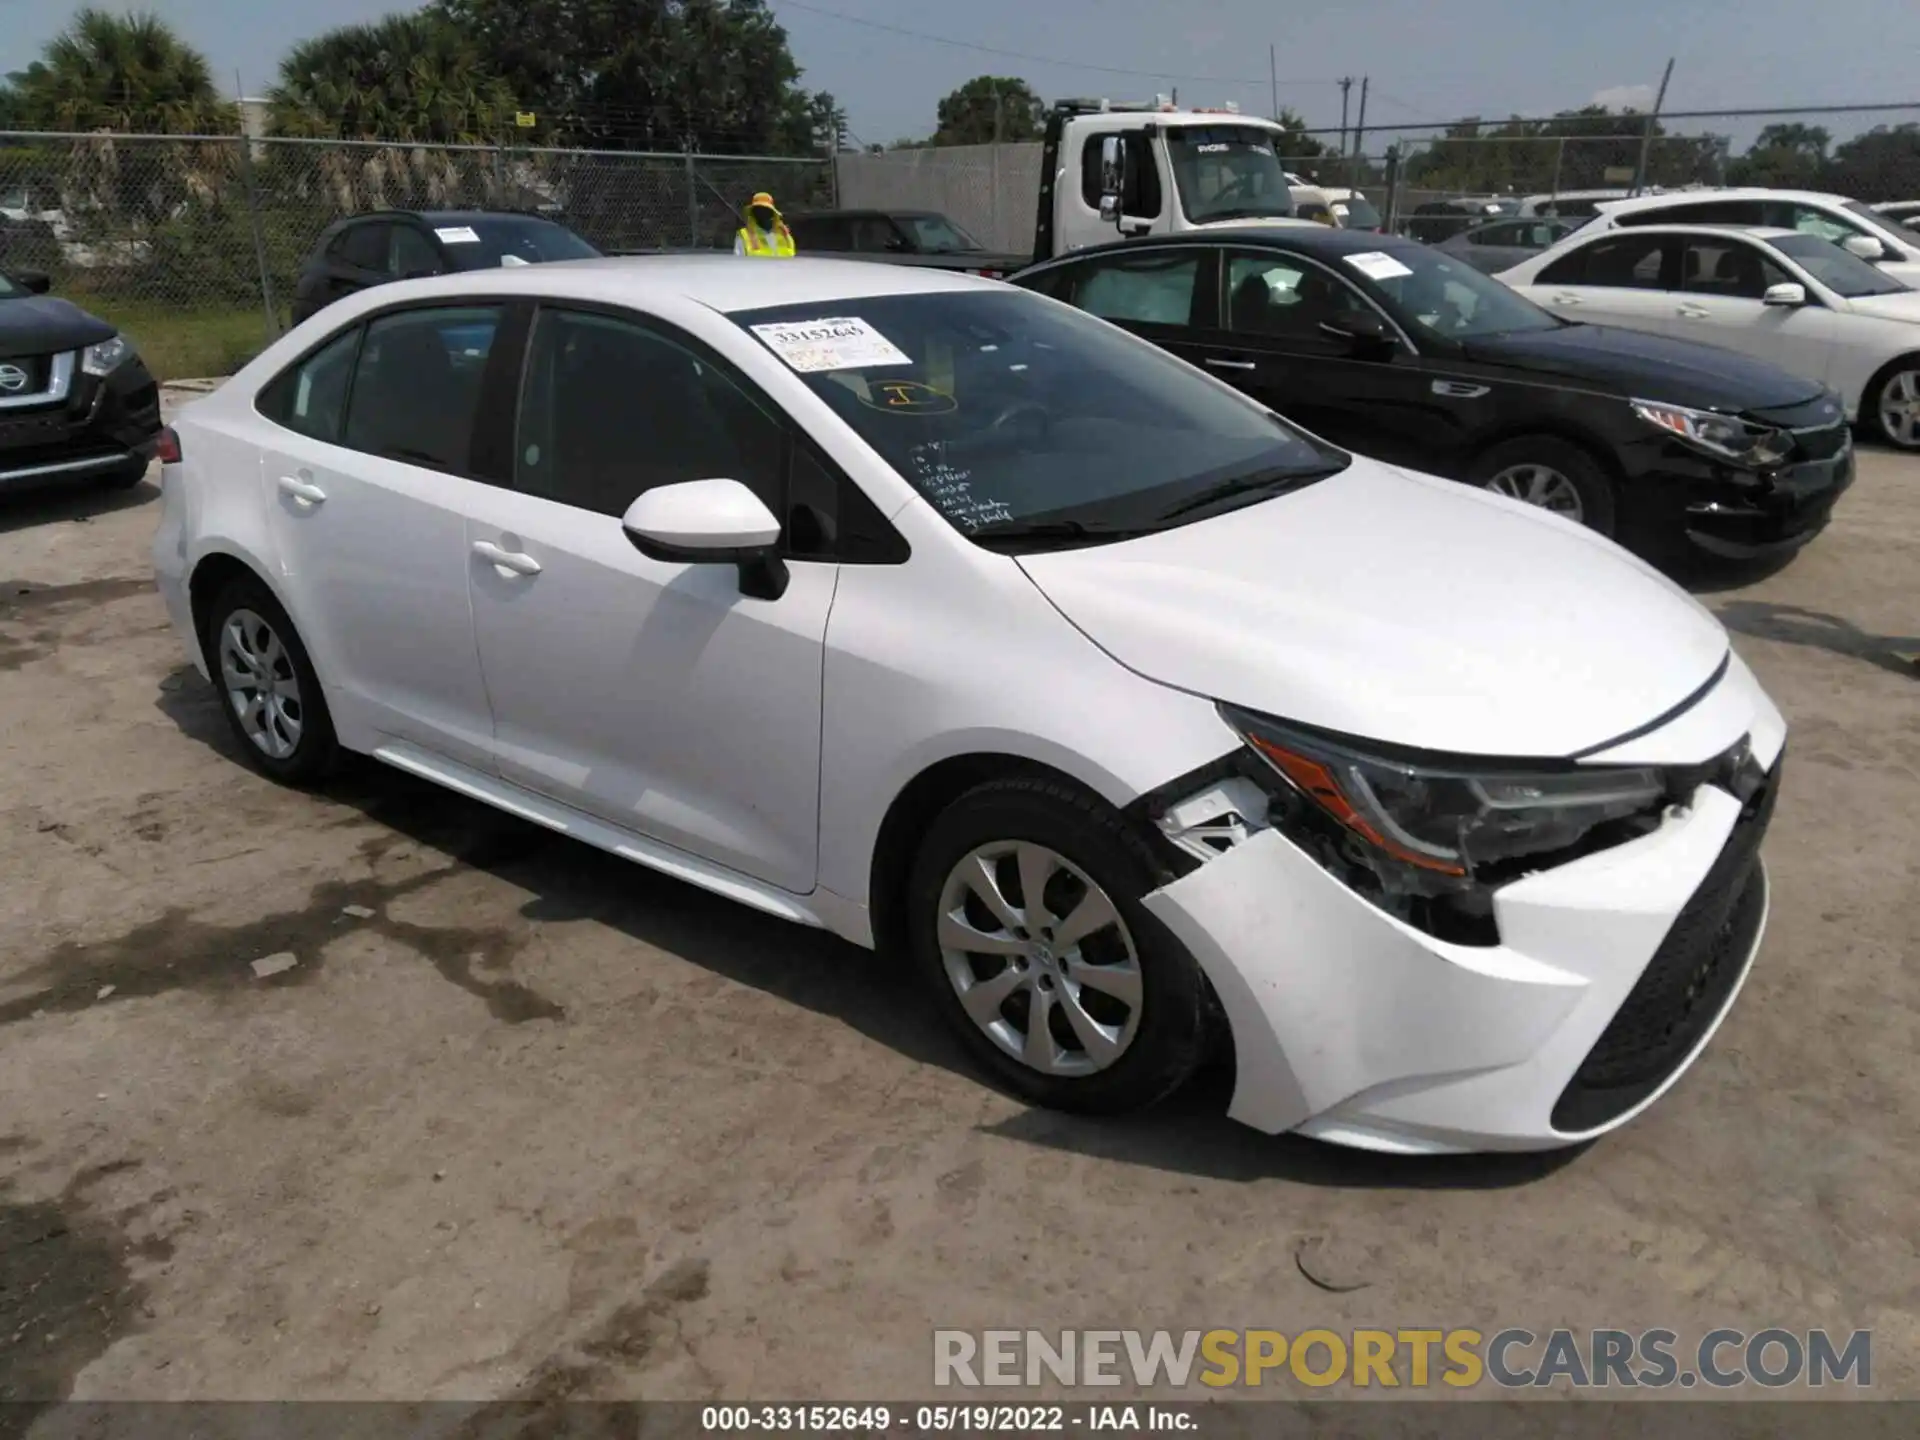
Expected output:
{"points": [[179, 343]]}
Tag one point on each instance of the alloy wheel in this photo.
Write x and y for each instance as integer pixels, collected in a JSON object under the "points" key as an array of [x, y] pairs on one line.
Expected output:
{"points": [[1900, 408], [1040, 958], [258, 675], [1540, 485]]}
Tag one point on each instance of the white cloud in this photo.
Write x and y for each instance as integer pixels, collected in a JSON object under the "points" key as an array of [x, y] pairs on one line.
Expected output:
{"points": [[1625, 97]]}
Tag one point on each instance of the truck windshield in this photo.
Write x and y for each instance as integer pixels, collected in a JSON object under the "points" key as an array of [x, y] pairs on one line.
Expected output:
{"points": [[1227, 172], [1029, 425]]}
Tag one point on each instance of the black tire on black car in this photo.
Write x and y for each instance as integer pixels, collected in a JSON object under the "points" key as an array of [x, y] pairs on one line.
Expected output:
{"points": [[1599, 508], [314, 752], [1170, 1029]]}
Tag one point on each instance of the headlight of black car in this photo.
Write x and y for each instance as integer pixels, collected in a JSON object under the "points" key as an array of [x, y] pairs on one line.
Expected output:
{"points": [[1429, 840], [107, 356], [1726, 436]]}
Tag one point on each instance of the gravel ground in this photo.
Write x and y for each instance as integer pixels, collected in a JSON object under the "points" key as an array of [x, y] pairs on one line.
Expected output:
{"points": [[522, 1120]]}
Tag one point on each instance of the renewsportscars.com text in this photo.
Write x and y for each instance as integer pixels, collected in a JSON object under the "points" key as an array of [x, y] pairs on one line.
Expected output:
{"points": [[1413, 1359]]}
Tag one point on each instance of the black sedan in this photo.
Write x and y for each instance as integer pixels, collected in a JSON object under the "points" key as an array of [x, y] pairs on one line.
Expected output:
{"points": [[75, 400], [1390, 348], [366, 250]]}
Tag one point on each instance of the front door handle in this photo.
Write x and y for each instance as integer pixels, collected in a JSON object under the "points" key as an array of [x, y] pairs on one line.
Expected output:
{"points": [[1694, 312], [305, 492], [1566, 299], [507, 562], [1231, 364]]}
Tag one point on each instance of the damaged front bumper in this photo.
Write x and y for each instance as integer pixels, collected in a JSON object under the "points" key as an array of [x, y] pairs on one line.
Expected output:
{"points": [[1611, 974]]}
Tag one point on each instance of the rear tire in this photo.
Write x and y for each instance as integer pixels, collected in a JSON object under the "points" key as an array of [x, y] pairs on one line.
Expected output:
{"points": [[1553, 474], [267, 686], [1122, 1003]]}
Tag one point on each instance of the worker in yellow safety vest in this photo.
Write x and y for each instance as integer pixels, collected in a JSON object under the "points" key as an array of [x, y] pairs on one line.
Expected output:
{"points": [[765, 234]]}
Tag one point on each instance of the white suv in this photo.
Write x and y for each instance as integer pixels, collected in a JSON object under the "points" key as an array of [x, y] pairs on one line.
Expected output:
{"points": [[1859, 229], [963, 624]]}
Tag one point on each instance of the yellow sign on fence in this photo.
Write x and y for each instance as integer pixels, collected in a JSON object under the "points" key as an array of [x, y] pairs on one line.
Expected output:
{"points": [[524, 119]]}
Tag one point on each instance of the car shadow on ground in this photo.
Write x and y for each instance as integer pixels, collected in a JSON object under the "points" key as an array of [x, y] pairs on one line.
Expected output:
{"points": [[76, 502], [876, 995], [1797, 625]]}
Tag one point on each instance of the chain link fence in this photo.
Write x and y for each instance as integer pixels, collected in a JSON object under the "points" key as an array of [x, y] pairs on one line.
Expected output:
{"points": [[192, 245]]}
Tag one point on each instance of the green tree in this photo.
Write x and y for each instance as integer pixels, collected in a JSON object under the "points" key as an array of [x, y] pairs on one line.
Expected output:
{"points": [[989, 108], [1788, 154], [413, 78], [128, 73], [1882, 164], [1297, 144], [650, 74]]}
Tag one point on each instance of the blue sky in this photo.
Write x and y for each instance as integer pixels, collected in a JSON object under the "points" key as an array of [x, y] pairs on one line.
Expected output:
{"points": [[1427, 58]]}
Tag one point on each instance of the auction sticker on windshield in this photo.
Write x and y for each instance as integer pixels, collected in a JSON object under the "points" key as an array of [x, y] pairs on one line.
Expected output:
{"points": [[457, 235], [844, 342], [1377, 265]]}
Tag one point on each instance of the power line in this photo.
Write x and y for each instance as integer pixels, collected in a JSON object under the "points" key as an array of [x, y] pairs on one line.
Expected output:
{"points": [[1039, 59]]}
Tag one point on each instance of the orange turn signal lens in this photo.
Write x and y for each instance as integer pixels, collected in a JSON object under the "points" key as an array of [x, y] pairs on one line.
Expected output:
{"points": [[1317, 783]]}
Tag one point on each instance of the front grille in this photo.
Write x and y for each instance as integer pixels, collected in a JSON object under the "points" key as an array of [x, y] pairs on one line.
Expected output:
{"points": [[36, 369], [1684, 987], [1823, 444]]}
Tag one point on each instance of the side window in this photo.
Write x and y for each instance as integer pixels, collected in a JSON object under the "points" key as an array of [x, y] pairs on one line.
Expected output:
{"points": [[610, 409], [1151, 289], [365, 247], [1286, 299], [830, 518], [413, 254], [1728, 268], [1507, 234], [1142, 198], [311, 397], [1622, 262], [416, 388], [872, 234]]}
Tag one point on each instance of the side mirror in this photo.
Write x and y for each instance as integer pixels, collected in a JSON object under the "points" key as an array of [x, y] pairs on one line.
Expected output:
{"points": [[1864, 246], [1364, 331], [711, 522], [1787, 294], [896, 245], [34, 282], [1113, 176]]}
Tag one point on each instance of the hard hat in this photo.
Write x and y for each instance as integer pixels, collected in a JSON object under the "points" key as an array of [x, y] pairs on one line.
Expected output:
{"points": [[763, 198]]}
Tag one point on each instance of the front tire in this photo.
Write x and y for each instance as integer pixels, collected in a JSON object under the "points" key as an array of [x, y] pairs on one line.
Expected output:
{"points": [[1553, 474], [1894, 406], [268, 688], [1081, 1001]]}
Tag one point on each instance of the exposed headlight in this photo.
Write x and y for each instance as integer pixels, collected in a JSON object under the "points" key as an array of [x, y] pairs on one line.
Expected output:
{"points": [[1726, 436], [107, 356], [1443, 827]]}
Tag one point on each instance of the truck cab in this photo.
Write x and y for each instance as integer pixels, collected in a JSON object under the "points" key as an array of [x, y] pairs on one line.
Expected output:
{"points": [[1110, 171]]}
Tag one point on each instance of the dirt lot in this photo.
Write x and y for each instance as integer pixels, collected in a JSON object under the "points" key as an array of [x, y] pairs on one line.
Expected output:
{"points": [[523, 1119]]}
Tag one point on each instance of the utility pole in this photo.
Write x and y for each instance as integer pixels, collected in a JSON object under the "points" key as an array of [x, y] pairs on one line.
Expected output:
{"points": [[1359, 136], [1273, 79], [1646, 135], [1346, 84]]}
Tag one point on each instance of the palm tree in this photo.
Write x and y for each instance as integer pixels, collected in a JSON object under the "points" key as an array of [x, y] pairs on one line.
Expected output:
{"points": [[410, 78], [127, 73]]}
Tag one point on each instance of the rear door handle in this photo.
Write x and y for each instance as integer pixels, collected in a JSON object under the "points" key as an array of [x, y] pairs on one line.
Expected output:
{"points": [[1231, 364], [507, 562], [304, 491]]}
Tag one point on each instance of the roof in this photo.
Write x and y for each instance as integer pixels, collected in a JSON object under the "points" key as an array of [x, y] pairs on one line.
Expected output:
{"points": [[717, 280], [1305, 239], [450, 217], [1734, 192]]}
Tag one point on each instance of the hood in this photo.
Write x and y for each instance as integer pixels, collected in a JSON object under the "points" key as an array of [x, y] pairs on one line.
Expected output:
{"points": [[1904, 306], [1393, 606], [1635, 364], [42, 325]]}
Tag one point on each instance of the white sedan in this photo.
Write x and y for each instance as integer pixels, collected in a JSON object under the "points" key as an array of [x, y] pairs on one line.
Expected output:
{"points": [[1794, 299], [960, 623]]}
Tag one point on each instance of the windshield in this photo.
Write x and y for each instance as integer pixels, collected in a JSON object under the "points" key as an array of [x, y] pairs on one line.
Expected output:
{"points": [[1880, 225], [1227, 172], [486, 242], [1840, 272], [937, 235], [1430, 291], [1010, 412], [1356, 212]]}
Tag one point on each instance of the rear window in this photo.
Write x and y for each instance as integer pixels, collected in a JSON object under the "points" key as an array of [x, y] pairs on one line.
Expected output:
{"points": [[486, 242]]}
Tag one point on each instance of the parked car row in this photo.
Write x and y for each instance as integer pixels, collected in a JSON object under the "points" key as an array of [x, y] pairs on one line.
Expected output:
{"points": [[1438, 813]]}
